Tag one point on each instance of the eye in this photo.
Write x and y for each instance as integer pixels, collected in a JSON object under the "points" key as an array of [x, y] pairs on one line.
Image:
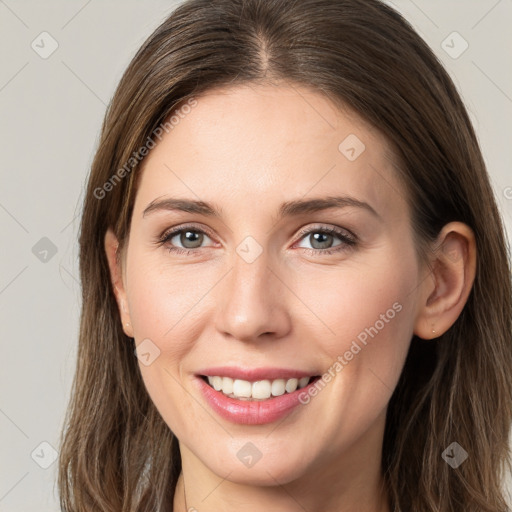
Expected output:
{"points": [[190, 238], [322, 240]]}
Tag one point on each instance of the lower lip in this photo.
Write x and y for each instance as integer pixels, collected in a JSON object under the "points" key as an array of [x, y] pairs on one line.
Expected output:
{"points": [[248, 412]]}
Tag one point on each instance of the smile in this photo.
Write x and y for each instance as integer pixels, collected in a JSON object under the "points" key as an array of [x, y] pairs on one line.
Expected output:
{"points": [[253, 396]]}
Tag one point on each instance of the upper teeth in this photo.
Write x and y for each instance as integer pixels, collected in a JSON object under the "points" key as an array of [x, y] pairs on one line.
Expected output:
{"points": [[259, 390]]}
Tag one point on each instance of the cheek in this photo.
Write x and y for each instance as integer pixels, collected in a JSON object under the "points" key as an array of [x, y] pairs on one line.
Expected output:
{"points": [[163, 318], [370, 315], [166, 309], [164, 301], [367, 317], [361, 304]]}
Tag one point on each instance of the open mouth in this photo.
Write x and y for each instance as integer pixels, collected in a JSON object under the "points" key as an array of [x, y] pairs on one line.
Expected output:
{"points": [[259, 390]]}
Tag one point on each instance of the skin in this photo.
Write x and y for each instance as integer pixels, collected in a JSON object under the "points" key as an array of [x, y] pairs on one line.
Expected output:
{"points": [[248, 149]]}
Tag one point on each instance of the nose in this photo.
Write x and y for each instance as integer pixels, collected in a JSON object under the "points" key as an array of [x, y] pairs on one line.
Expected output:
{"points": [[252, 302]]}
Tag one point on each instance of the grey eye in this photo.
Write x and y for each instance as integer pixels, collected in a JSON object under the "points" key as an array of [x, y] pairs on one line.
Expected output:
{"points": [[189, 239], [320, 240]]}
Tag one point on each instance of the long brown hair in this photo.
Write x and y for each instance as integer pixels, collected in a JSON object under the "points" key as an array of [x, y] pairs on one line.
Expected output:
{"points": [[117, 454]]}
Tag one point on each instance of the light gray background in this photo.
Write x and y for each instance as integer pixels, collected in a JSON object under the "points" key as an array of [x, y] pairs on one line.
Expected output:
{"points": [[51, 111]]}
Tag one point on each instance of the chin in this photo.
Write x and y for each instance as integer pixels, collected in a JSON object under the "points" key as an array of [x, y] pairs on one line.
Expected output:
{"points": [[277, 465]]}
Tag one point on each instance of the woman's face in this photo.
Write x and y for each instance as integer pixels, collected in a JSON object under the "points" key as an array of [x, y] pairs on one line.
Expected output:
{"points": [[264, 283]]}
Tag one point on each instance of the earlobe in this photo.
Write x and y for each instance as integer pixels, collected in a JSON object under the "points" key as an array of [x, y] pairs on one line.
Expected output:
{"points": [[445, 293], [116, 277]]}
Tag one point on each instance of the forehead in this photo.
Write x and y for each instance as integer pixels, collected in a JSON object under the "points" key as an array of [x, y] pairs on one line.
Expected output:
{"points": [[274, 142]]}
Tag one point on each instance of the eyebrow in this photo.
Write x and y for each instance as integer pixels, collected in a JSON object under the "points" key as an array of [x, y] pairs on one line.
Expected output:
{"points": [[287, 209]]}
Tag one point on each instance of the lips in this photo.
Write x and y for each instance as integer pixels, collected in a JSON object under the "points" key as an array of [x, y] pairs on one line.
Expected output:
{"points": [[259, 405]]}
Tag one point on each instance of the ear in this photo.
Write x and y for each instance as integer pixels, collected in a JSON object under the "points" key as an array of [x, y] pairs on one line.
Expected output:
{"points": [[116, 276], [445, 291]]}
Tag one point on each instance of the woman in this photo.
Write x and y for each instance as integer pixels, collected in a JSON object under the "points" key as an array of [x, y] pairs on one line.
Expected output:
{"points": [[225, 365]]}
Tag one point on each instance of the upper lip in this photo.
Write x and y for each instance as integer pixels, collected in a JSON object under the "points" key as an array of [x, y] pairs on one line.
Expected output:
{"points": [[254, 374]]}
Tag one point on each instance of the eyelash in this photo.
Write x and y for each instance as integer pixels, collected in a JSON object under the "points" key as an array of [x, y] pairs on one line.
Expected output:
{"points": [[347, 241]]}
